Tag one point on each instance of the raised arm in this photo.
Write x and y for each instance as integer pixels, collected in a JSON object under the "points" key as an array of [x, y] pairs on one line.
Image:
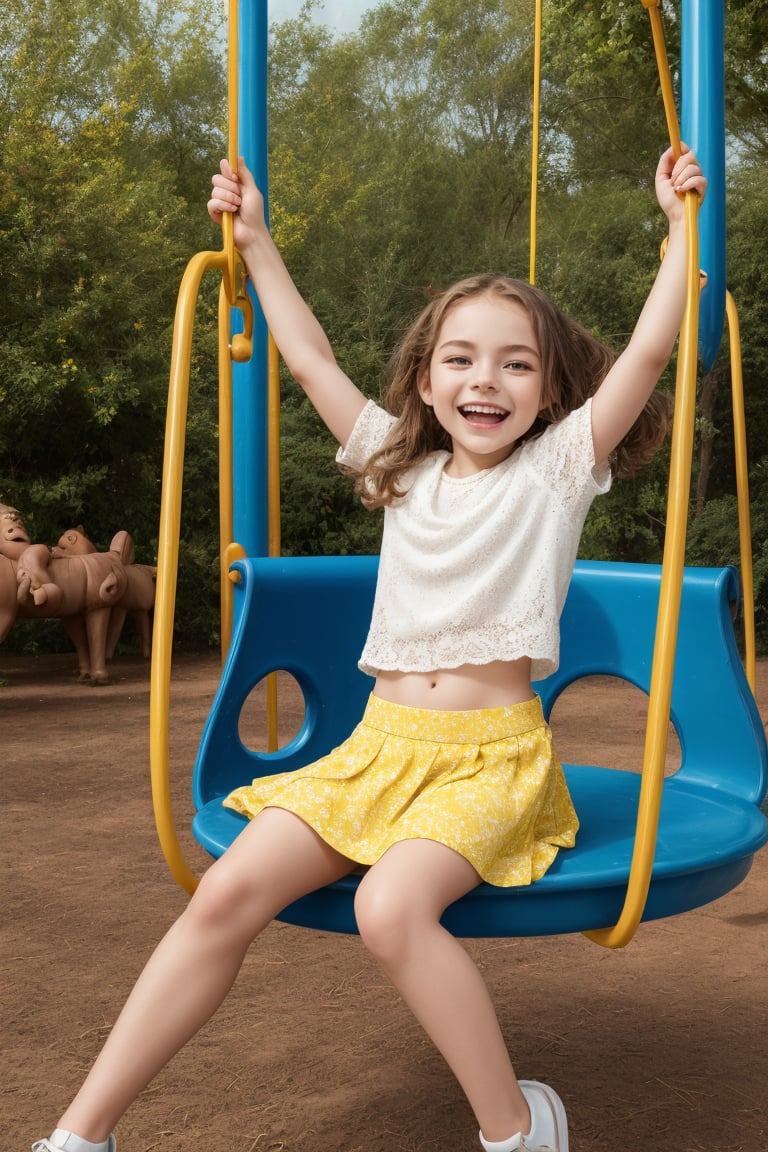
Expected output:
{"points": [[302, 342], [623, 394]]}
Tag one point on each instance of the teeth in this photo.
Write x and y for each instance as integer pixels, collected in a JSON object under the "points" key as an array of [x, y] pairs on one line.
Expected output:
{"points": [[483, 408]]}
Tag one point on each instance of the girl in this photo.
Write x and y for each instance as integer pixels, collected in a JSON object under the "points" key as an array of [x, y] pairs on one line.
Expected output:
{"points": [[503, 421]]}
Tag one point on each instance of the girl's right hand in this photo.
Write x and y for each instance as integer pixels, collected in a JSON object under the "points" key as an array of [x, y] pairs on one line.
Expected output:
{"points": [[236, 192], [676, 177]]}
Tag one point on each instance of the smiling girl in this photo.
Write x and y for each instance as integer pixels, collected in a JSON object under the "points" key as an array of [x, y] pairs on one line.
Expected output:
{"points": [[503, 420]]}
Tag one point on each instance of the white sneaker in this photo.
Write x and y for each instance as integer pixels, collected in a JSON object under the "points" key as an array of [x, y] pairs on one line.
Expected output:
{"points": [[549, 1126], [63, 1143], [549, 1130]]}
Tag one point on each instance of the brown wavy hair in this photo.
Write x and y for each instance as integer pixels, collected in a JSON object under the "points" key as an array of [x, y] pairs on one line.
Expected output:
{"points": [[573, 364]]}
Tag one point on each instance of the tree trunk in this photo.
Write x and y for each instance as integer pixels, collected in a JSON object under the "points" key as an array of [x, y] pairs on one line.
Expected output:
{"points": [[707, 433]]}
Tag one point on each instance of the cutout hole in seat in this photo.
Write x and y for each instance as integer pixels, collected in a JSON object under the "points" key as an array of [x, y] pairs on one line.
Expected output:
{"points": [[253, 725], [601, 720]]}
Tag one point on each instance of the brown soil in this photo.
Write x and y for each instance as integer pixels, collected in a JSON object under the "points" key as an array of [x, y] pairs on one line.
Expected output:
{"points": [[662, 1045]]}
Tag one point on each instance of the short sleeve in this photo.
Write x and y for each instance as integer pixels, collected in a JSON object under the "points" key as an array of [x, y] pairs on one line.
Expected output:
{"points": [[563, 457], [369, 433]]}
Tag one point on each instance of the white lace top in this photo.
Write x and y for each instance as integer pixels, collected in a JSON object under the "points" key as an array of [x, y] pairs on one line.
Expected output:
{"points": [[476, 569]]}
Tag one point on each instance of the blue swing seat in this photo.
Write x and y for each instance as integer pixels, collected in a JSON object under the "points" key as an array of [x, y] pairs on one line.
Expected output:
{"points": [[308, 616]]}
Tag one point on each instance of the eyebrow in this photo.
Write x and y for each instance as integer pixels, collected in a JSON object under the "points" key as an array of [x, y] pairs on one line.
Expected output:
{"points": [[506, 349]]}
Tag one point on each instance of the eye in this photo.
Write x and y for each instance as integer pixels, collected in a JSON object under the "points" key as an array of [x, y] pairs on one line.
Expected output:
{"points": [[518, 366], [460, 361]]}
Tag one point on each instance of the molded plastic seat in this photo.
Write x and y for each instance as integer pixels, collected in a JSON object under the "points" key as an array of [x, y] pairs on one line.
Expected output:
{"points": [[309, 617]]}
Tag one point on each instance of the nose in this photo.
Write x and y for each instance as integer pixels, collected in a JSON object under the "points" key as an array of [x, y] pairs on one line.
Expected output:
{"points": [[485, 378]]}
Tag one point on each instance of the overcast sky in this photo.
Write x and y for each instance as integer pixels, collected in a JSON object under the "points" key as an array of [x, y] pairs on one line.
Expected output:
{"points": [[341, 15]]}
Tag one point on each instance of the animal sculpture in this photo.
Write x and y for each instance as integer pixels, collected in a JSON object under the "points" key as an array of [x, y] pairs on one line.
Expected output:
{"points": [[90, 591]]}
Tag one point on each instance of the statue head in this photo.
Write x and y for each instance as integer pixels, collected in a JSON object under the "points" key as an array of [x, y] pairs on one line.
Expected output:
{"points": [[13, 538], [73, 542]]}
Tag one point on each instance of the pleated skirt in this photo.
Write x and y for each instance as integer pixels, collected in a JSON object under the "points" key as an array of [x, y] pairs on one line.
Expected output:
{"points": [[486, 783]]}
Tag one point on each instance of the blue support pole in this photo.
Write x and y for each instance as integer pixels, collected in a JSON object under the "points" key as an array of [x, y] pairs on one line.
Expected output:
{"points": [[703, 129], [249, 381]]}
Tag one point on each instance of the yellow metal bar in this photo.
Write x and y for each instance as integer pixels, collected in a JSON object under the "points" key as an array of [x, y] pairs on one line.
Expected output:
{"points": [[673, 561], [168, 563], [233, 130], [665, 78], [234, 294], [273, 511], [742, 490], [662, 669], [273, 447], [535, 136], [233, 63], [226, 501]]}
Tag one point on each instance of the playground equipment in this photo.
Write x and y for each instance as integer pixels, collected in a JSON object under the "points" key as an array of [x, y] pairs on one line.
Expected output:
{"points": [[647, 847]]}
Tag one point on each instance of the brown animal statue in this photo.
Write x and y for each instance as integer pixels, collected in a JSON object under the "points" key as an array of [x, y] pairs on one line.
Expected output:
{"points": [[72, 582], [138, 596]]}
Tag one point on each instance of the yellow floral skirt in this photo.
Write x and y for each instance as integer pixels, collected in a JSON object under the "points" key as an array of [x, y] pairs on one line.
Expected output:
{"points": [[486, 783]]}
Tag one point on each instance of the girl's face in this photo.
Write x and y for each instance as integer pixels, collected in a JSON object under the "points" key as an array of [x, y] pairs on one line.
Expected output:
{"points": [[483, 381]]}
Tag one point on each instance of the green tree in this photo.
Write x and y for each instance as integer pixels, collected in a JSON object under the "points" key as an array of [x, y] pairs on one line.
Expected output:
{"points": [[602, 99], [108, 132], [746, 75], [401, 160]]}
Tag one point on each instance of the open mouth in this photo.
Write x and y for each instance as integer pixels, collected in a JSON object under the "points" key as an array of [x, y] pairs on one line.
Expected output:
{"points": [[485, 414]]}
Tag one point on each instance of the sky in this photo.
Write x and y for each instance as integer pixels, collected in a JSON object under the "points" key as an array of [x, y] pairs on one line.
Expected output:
{"points": [[340, 15]]}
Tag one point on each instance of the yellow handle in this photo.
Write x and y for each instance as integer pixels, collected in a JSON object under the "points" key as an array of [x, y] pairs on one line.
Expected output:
{"points": [[665, 78], [168, 563], [234, 276], [742, 490], [229, 551], [233, 294], [662, 669]]}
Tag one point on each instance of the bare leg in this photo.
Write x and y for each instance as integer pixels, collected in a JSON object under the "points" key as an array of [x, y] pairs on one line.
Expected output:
{"points": [[276, 859], [399, 904]]}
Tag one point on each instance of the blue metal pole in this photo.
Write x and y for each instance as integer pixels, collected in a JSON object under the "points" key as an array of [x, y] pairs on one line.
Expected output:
{"points": [[703, 129], [249, 381]]}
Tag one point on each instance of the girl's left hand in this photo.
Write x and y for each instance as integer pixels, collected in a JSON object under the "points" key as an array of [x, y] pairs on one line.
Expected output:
{"points": [[676, 177]]}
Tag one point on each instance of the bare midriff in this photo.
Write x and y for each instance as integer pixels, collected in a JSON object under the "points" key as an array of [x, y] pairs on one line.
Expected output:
{"points": [[467, 688]]}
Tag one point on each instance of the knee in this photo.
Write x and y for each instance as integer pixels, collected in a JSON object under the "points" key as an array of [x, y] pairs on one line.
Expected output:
{"points": [[227, 897], [387, 922]]}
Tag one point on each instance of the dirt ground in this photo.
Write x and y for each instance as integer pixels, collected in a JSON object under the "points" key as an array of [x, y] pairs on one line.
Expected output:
{"points": [[662, 1045]]}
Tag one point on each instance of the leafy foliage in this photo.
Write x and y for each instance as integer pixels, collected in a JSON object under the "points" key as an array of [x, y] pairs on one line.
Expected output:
{"points": [[399, 161], [106, 137]]}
